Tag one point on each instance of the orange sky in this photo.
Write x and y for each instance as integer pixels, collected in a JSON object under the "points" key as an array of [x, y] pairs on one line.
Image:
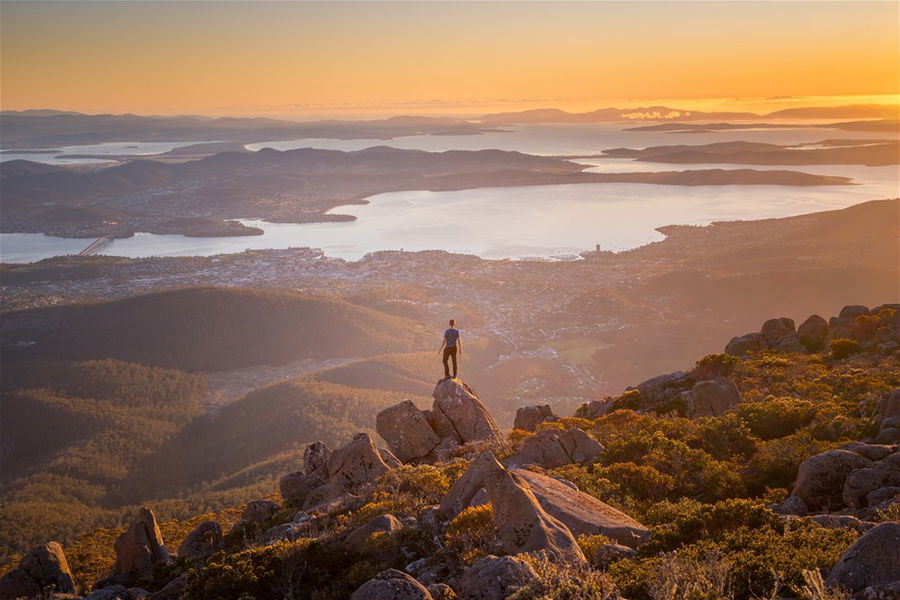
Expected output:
{"points": [[301, 58]]}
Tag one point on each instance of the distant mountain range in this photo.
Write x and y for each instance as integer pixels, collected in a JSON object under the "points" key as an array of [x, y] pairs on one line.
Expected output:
{"points": [[665, 113]]}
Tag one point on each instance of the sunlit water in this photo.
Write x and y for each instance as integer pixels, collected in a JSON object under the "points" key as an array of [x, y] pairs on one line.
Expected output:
{"points": [[513, 222]]}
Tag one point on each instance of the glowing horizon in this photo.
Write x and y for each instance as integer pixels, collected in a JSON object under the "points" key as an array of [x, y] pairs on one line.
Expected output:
{"points": [[380, 58]]}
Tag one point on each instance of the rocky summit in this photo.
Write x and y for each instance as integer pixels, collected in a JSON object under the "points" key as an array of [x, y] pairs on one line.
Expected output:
{"points": [[774, 466]]}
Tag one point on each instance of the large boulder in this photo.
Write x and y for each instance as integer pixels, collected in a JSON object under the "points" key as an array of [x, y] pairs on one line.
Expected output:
{"points": [[583, 513], [888, 417], [494, 578], [813, 333], [352, 466], [820, 479], [391, 585], [775, 330], [43, 569], [406, 431], [139, 548], [744, 344], [656, 387], [522, 524], [297, 486], [458, 414], [260, 511], [874, 559], [713, 397], [555, 448], [529, 417], [205, 539], [356, 540], [315, 457]]}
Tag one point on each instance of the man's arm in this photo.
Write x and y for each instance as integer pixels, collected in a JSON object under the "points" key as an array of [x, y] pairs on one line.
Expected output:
{"points": [[443, 342], [459, 344]]}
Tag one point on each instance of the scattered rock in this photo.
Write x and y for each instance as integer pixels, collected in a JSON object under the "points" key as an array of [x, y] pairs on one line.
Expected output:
{"points": [[315, 458], [713, 397], [202, 541], [357, 539], [493, 577], [529, 417], [458, 414], [852, 311], [554, 448], [744, 344], [862, 482], [874, 559], [775, 330], [442, 591], [406, 431], [820, 480], [583, 513], [42, 569], [391, 585], [813, 333], [793, 506], [174, 590], [138, 549], [870, 451], [607, 554], [260, 511], [888, 417], [885, 494], [296, 487]]}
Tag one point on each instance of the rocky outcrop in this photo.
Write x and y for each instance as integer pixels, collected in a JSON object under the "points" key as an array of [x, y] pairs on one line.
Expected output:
{"points": [[878, 328], [354, 465], [458, 414], [529, 417], [813, 333], [555, 448], [391, 585], [315, 458], [855, 476], [713, 397], [872, 561], [888, 418], [583, 513], [494, 578], [406, 430], [42, 570], [820, 479], [260, 511], [296, 487], [357, 539], [202, 541], [139, 548], [522, 524]]}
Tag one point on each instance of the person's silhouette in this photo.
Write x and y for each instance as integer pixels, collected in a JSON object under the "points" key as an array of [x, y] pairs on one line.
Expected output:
{"points": [[450, 346]]}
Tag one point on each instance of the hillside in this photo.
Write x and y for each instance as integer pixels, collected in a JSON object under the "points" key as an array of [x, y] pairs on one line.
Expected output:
{"points": [[206, 329], [725, 480]]}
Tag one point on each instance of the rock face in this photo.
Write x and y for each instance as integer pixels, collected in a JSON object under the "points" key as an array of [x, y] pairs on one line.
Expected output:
{"points": [[523, 525], [529, 417], [138, 549], [775, 330], [202, 541], [354, 465], [406, 431], [315, 458], [43, 569], [712, 398], [744, 344], [260, 511], [820, 480], [493, 578], [356, 541], [873, 560], [458, 414], [553, 448], [296, 487], [582, 513], [857, 476], [813, 332], [888, 418], [391, 585]]}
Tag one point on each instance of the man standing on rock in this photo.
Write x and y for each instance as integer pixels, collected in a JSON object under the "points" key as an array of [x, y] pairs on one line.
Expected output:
{"points": [[450, 346]]}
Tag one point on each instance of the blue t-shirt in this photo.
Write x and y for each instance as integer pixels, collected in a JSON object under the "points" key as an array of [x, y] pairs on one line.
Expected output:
{"points": [[450, 336]]}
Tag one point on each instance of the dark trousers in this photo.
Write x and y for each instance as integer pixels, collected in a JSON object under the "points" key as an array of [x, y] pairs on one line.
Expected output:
{"points": [[451, 354]]}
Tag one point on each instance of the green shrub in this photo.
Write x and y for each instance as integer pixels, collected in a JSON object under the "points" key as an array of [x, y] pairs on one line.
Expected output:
{"points": [[775, 417], [472, 532], [842, 348], [716, 365]]}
